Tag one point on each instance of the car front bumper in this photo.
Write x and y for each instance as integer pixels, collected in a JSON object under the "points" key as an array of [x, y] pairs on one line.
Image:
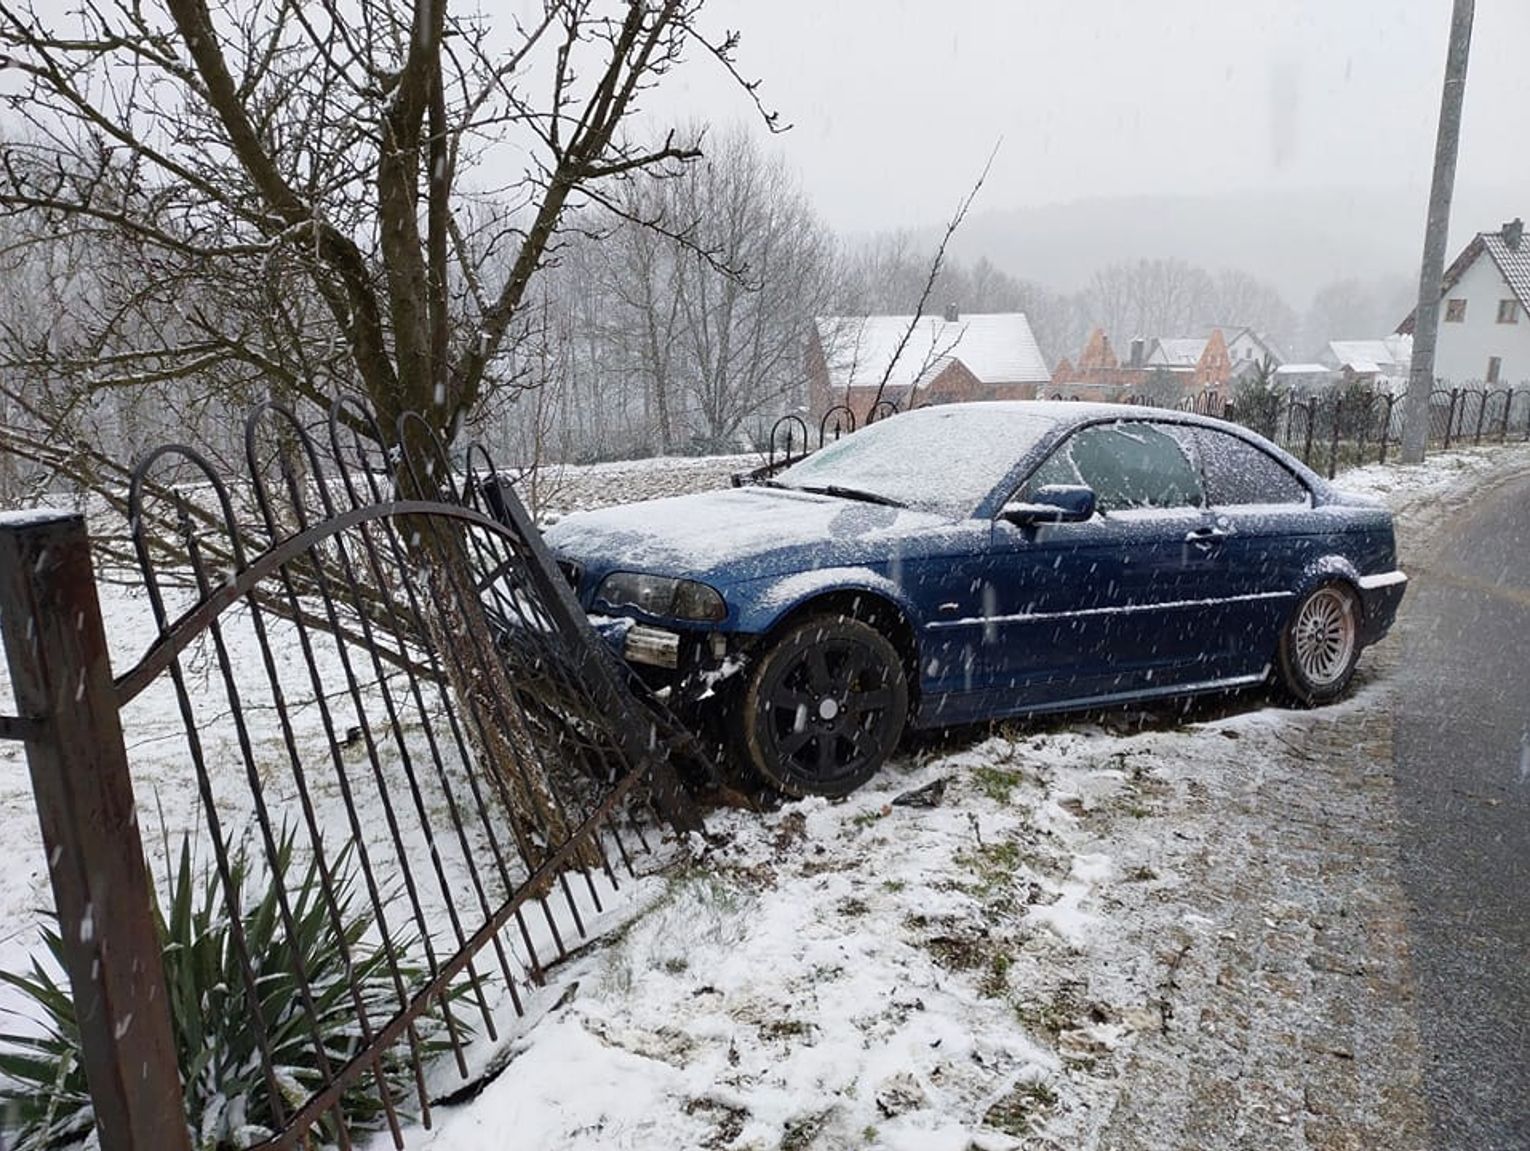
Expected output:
{"points": [[693, 664]]}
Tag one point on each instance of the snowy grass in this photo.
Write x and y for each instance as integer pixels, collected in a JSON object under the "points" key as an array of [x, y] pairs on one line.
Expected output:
{"points": [[867, 974]]}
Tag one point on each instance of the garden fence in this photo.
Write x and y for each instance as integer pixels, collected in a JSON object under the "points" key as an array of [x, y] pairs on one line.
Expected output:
{"points": [[397, 732]]}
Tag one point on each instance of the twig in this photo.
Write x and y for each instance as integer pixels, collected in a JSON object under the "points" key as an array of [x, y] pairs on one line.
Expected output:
{"points": [[935, 266]]}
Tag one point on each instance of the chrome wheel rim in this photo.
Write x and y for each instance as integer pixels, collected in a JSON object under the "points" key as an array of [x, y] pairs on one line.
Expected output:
{"points": [[1324, 637]]}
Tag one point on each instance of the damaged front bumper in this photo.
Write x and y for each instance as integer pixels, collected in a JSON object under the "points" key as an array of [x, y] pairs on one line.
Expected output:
{"points": [[689, 666]]}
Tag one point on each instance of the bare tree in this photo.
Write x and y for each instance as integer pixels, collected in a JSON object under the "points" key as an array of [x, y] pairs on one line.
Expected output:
{"points": [[1161, 297], [1241, 299], [713, 315], [307, 176]]}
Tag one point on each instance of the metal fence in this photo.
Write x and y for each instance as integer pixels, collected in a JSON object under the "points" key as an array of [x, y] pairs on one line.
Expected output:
{"points": [[1333, 431], [1328, 431], [397, 729]]}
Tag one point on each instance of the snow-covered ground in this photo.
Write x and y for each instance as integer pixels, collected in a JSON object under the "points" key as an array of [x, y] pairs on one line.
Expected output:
{"points": [[1005, 968], [981, 973]]}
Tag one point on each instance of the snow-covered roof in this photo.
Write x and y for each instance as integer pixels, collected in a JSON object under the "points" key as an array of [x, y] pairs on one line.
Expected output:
{"points": [[997, 348], [1303, 370], [1390, 354], [1177, 352]]}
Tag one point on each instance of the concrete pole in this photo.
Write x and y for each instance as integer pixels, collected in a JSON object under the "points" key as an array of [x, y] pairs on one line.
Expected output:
{"points": [[1426, 318]]}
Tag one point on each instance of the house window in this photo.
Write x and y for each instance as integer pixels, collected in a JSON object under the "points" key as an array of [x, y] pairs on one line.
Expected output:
{"points": [[1455, 311], [1495, 364], [1508, 311]]}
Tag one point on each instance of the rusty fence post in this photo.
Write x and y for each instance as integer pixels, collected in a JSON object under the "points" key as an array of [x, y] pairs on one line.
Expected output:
{"points": [[61, 675]]}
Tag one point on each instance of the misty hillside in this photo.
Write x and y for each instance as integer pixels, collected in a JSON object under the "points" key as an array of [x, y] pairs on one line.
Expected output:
{"points": [[1297, 240]]}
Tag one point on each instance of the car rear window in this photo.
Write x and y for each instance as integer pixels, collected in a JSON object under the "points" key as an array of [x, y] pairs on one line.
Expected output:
{"points": [[1238, 472]]}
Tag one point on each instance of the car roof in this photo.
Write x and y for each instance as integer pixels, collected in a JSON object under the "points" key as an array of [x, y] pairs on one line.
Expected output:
{"points": [[1066, 412], [1066, 415]]}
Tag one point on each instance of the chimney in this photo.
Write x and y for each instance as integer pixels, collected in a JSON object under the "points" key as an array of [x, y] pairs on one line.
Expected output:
{"points": [[1138, 346], [951, 314], [1513, 233]]}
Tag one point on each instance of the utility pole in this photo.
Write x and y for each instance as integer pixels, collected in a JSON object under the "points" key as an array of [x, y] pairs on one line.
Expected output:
{"points": [[1426, 317]]}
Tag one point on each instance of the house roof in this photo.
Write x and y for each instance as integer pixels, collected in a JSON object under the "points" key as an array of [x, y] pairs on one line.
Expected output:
{"points": [[1177, 352], [1385, 355], [1513, 265], [997, 348]]}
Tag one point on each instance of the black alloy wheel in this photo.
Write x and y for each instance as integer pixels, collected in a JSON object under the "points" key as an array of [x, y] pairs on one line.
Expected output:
{"points": [[824, 707]]}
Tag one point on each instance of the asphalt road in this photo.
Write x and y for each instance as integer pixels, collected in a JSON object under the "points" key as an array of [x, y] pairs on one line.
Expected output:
{"points": [[1463, 790]]}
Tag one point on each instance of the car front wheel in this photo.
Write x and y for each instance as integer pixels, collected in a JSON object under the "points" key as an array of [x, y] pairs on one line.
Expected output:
{"points": [[825, 707], [1321, 644]]}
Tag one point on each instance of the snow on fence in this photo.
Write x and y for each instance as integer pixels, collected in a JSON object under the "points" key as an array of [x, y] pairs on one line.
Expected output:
{"points": [[415, 777]]}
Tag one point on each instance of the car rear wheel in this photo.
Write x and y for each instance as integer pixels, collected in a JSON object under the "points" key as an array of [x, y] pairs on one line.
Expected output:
{"points": [[825, 707], [1321, 644]]}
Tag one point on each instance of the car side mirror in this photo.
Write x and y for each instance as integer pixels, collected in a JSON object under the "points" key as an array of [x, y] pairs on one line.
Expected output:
{"points": [[1052, 504]]}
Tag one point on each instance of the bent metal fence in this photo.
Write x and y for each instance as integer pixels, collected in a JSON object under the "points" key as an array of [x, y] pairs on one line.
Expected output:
{"points": [[396, 729]]}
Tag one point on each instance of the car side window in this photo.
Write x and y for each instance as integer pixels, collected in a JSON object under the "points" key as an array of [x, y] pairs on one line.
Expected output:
{"points": [[1238, 472], [1128, 464]]}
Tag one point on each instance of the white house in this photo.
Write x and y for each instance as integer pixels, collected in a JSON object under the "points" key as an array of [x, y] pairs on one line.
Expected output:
{"points": [[1484, 332], [1248, 347]]}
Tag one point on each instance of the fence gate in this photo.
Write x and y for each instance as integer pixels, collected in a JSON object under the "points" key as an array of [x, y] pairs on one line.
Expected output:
{"points": [[407, 773]]}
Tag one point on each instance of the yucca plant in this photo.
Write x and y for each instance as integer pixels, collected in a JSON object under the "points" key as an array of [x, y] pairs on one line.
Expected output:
{"points": [[44, 1101]]}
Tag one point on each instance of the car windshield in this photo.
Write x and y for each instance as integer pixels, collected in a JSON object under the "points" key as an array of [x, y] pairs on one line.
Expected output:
{"points": [[943, 460]]}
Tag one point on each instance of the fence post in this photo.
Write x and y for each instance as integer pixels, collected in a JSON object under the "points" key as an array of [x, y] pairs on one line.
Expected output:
{"points": [[61, 676]]}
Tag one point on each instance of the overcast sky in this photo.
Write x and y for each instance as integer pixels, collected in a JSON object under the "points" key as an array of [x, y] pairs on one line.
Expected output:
{"points": [[896, 103]]}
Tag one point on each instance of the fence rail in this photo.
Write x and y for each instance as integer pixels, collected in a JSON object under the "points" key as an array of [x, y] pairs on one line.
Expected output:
{"points": [[400, 736]]}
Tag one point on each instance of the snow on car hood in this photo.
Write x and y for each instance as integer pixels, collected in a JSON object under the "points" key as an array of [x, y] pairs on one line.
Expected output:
{"points": [[752, 531]]}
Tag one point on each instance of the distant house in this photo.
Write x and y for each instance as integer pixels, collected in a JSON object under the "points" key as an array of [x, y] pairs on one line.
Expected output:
{"points": [[1306, 379], [1202, 364], [947, 359], [1183, 367], [1098, 376], [1484, 333], [1383, 364], [1248, 347]]}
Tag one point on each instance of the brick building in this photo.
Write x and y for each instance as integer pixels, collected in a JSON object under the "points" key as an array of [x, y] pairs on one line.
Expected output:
{"points": [[947, 359], [1162, 370]]}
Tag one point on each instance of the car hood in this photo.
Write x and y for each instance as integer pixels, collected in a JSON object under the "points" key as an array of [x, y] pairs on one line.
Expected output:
{"points": [[750, 532]]}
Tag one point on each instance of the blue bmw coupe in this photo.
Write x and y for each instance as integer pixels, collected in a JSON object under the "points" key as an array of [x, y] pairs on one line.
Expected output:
{"points": [[985, 560]]}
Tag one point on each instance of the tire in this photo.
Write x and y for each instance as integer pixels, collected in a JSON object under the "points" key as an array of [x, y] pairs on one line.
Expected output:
{"points": [[824, 707], [1320, 644]]}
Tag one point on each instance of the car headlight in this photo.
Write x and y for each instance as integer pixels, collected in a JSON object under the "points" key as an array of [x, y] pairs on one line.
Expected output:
{"points": [[662, 596]]}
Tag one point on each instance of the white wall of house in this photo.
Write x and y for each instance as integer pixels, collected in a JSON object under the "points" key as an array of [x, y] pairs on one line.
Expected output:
{"points": [[1245, 348], [1462, 353]]}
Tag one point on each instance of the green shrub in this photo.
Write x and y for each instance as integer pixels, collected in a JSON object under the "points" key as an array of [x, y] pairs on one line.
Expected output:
{"points": [[44, 1101]]}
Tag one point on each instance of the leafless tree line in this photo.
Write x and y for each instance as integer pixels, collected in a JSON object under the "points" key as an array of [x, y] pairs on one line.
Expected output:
{"points": [[208, 204]]}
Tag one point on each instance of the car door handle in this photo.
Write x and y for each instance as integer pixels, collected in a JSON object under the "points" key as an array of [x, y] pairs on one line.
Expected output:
{"points": [[1206, 536]]}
